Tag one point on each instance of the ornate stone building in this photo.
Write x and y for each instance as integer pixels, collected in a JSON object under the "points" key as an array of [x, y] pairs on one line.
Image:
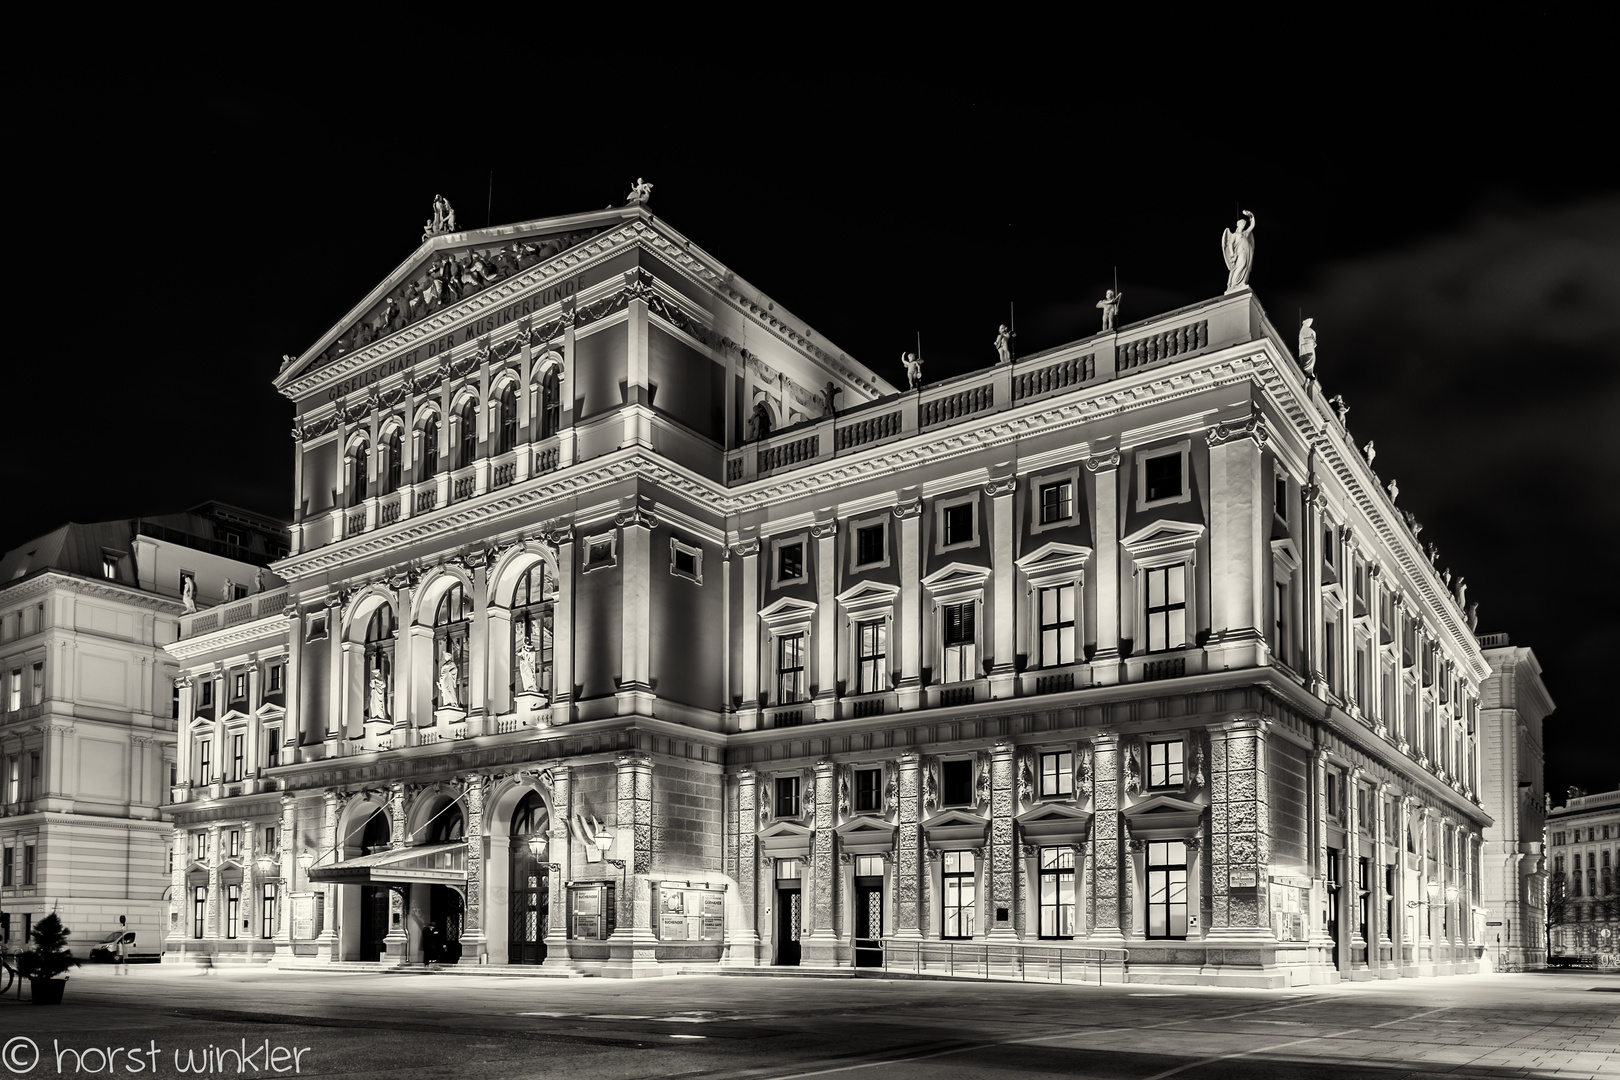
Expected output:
{"points": [[632, 626], [88, 707], [1583, 894]]}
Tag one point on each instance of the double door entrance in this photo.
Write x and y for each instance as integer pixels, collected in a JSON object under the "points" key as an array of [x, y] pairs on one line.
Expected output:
{"points": [[528, 902]]}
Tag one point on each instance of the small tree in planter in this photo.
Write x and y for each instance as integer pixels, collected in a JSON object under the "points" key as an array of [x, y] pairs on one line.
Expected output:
{"points": [[49, 960]]}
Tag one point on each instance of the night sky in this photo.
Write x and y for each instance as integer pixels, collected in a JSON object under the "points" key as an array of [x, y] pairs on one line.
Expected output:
{"points": [[1456, 238]]}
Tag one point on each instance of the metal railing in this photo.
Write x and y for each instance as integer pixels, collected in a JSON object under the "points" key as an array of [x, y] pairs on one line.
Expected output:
{"points": [[982, 960]]}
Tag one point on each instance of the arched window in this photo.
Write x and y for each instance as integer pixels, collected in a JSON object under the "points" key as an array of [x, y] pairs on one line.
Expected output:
{"points": [[391, 454], [375, 836], [379, 693], [549, 395], [362, 472], [506, 417], [450, 624], [469, 435], [448, 826], [430, 448], [531, 632]]}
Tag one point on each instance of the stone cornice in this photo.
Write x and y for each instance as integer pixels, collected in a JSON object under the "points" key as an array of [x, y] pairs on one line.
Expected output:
{"points": [[229, 638], [42, 582]]}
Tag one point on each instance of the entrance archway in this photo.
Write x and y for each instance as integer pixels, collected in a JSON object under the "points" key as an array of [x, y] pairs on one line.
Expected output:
{"points": [[529, 884], [373, 898], [441, 936]]}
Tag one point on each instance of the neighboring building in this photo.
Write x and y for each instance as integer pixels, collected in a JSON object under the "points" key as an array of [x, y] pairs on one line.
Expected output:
{"points": [[633, 627], [1513, 703], [1583, 897], [88, 705]]}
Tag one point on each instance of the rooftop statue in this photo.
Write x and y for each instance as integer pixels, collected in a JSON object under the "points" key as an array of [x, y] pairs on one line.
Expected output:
{"points": [[913, 365], [828, 394], [188, 592], [1473, 616], [1307, 347], [1394, 490], [1370, 451], [1238, 249], [1462, 591], [1004, 338], [287, 361], [759, 426], [1337, 401], [640, 192], [1110, 307], [443, 219]]}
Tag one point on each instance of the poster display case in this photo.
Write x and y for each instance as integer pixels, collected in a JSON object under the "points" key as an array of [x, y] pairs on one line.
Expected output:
{"points": [[592, 910], [690, 914]]}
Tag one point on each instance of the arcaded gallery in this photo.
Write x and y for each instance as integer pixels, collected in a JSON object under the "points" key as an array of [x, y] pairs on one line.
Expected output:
{"points": [[633, 627]]}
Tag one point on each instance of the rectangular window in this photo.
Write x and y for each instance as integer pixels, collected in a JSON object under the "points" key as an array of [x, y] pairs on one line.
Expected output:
{"points": [[869, 547], [28, 863], [35, 789], [956, 777], [959, 640], [869, 866], [238, 757], [239, 683], [1167, 607], [205, 766], [39, 683], [199, 910], [236, 843], [872, 640], [685, 563], [199, 847], [1167, 889], [1281, 497], [6, 871], [1332, 793], [787, 796], [1162, 477], [1057, 774], [959, 894], [205, 694], [233, 900], [1279, 642], [109, 567], [1330, 667], [15, 698], [274, 676], [1057, 892], [269, 840], [868, 791], [1057, 626], [789, 562], [959, 524], [267, 913], [1057, 502], [272, 747], [1363, 894], [1167, 764], [13, 778], [1389, 902], [789, 669]]}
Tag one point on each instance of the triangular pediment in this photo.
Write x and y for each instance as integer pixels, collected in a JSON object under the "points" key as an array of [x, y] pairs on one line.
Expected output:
{"points": [[865, 835], [789, 609], [478, 259], [1162, 535], [1047, 813], [270, 711], [1055, 823], [785, 840], [785, 828], [869, 594], [1050, 556], [956, 577], [956, 827], [1160, 816]]}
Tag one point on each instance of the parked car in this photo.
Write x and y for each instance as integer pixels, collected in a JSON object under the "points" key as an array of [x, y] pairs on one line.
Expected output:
{"points": [[106, 950]]}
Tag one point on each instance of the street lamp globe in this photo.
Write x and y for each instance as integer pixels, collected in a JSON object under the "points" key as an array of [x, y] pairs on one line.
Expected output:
{"points": [[1434, 891], [537, 847]]}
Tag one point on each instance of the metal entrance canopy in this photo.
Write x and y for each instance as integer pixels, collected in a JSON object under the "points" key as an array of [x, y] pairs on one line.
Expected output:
{"points": [[436, 864]]}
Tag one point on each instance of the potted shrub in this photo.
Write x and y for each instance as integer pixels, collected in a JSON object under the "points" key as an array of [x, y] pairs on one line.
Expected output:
{"points": [[47, 962]]}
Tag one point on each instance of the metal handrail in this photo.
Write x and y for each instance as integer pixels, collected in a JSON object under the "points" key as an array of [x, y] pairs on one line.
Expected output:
{"points": [[981, 959]]}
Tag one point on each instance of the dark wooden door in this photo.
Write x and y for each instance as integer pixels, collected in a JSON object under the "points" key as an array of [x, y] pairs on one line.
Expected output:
{"points": [[788, 921], [526, 932], [1333, 902], [868, 924], [373, 921]]}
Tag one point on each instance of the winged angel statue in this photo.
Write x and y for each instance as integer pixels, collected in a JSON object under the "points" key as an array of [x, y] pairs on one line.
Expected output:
{"points": [[1238, 248]]}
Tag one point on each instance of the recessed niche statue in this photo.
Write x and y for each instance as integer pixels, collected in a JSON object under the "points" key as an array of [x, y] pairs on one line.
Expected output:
{"points": [[913, 365], [525, 658], [449, 684], [188, 592], [1307, 347], [640, 192], [1370, 451], [1110, 307], [1237, 246], [1004, 336], [828, 395], [378, 708], [759, 425]]}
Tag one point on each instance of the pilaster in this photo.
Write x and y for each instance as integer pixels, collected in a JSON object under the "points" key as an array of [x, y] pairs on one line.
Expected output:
{"points": [[908, 914], [1240, 839], [1236, 543], [562, 652], [998, 918], [561, 854], [742, 941], [820, 945], [474, 935], [1105, 531], [633, 947], [1108, 858], [826, 695], [1003, 676], [909, 687]]}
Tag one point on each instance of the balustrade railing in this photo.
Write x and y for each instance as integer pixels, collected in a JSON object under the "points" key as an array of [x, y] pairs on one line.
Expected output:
{"points": [[791, 718], [463, 488], [1164, 669], [1054, 684], [547, 459], [357, 522], [868, 430], [503, 474], [956, 695], [427, 500], [1059, 376], [388, 511], [955, 406], [867, 707], [235, 613], [1160, 346], [789, 453]]}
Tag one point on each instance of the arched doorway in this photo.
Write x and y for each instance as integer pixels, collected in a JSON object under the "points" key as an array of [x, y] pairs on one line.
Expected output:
{"points": [[528, 885], [373, 898], [441, 937]]}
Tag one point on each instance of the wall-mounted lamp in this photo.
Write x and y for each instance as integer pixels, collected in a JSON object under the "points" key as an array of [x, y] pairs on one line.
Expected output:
{"points": [[537, 847]]}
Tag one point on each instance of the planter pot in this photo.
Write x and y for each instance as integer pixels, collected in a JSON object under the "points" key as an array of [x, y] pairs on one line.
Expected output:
{"points": [[46, 991]]}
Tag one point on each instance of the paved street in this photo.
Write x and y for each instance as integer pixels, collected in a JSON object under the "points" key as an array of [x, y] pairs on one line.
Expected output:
{"points": [[361, 1025]]}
